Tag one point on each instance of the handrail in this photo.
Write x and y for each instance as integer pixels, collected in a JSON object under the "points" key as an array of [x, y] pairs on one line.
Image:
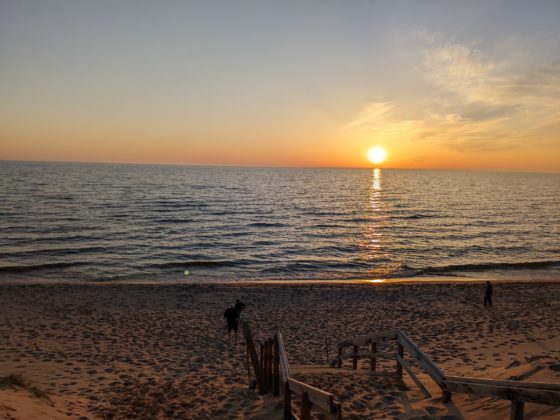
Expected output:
{"points": [[272, 371], [514, 384], [428, 364], [517, 391], [324, 400], [308, 394], [512, 391]]}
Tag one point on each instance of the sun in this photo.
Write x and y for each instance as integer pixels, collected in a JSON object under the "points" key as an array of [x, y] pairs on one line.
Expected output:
{"points": [[377, 155]]}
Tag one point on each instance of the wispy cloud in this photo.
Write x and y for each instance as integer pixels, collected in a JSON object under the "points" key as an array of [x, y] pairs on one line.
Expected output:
{"points": [[373, 115], [459, 69], [478, 103]]}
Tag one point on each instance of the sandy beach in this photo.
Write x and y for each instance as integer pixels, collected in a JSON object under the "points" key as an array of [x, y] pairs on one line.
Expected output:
{"points": [[162, 351]]}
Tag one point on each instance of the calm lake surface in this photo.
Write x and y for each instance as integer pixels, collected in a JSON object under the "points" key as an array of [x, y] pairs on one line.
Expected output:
{"points": [[148, 222]]}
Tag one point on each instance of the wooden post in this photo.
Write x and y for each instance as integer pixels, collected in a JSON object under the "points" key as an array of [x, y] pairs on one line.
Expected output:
{"points": [[401, 354], [337, 411], [355, 358], [269, 359], [287, 402], [247, 363], [265, 363], [276, 366], [339, 362], [446, 396], [284, 364], [263, 368], [305, 407], [373, 349], [517, 408], [253, 355]]}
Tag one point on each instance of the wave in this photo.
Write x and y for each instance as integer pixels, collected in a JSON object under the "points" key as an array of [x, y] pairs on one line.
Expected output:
{"points": [[39, 267], [414, 217], [188, 264], [57, 252], [165, 220], [266, 224], [526, 265]]}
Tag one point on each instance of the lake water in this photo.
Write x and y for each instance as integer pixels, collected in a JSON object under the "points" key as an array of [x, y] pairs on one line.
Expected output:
{"points": [[150, 222]]}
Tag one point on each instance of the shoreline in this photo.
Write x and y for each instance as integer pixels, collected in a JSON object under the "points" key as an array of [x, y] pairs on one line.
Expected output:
{"points": [[373, 281]]}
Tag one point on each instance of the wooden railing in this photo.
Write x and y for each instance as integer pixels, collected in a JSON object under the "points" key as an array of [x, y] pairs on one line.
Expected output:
{"points": [[518, 392], [272, 371], [309, 396]]}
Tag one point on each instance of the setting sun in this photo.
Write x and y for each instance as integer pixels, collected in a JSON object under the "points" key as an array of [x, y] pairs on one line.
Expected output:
{"points": [[376, 155]]}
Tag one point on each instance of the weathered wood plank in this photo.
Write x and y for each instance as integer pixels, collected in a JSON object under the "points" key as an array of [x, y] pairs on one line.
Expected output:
{"points": [[284, 364], [412, 375], [318, 397], [539, 396], [287, 402], [276, 373], [271, 362], [514, 384], [253, 354], [427, 364], [263, 366], [400, 356]]}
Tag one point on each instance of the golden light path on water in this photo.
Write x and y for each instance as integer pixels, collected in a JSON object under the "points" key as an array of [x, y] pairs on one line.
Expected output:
{"points": [[373, 230]]}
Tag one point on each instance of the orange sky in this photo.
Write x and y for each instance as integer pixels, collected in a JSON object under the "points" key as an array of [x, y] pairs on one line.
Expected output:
{"points": [[438, 86]]}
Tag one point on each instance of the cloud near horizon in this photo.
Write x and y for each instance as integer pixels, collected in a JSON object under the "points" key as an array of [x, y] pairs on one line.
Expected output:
{"points": [[476, 104]]}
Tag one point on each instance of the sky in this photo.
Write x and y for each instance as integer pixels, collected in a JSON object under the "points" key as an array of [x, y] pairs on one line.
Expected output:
{"points": [[439, 84]]}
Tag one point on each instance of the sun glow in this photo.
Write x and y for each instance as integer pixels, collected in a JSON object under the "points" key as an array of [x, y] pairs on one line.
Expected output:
{"points": [[377, 155]]}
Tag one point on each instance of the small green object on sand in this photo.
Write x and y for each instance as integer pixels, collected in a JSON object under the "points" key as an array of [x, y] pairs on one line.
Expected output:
{"points": [[186, 273]]}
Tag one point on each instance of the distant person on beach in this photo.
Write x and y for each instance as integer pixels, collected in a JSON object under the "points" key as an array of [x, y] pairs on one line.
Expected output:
{"points": [[488, 294], [239, 306], [232, 321]]}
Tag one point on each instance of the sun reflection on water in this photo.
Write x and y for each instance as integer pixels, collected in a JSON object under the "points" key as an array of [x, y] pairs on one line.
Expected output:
{"points": [[373, 236], [376, 184], [375, 209]]}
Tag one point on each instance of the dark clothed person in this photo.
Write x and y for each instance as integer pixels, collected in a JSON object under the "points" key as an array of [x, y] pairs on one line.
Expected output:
{"points": [[239, 306], [231, 316], [488, 294]]}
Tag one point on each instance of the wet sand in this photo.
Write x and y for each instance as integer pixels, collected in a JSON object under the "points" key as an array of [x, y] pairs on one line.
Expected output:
{"points": [[162, 351]]}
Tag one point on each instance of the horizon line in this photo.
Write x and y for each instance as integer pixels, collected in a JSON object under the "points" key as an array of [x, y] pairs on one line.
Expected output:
{"points": [[223, 165]]}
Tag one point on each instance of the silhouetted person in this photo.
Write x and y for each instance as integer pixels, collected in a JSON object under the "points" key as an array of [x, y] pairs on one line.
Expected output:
{"points": [[488, 294], [231, 316], [239, 306]]}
